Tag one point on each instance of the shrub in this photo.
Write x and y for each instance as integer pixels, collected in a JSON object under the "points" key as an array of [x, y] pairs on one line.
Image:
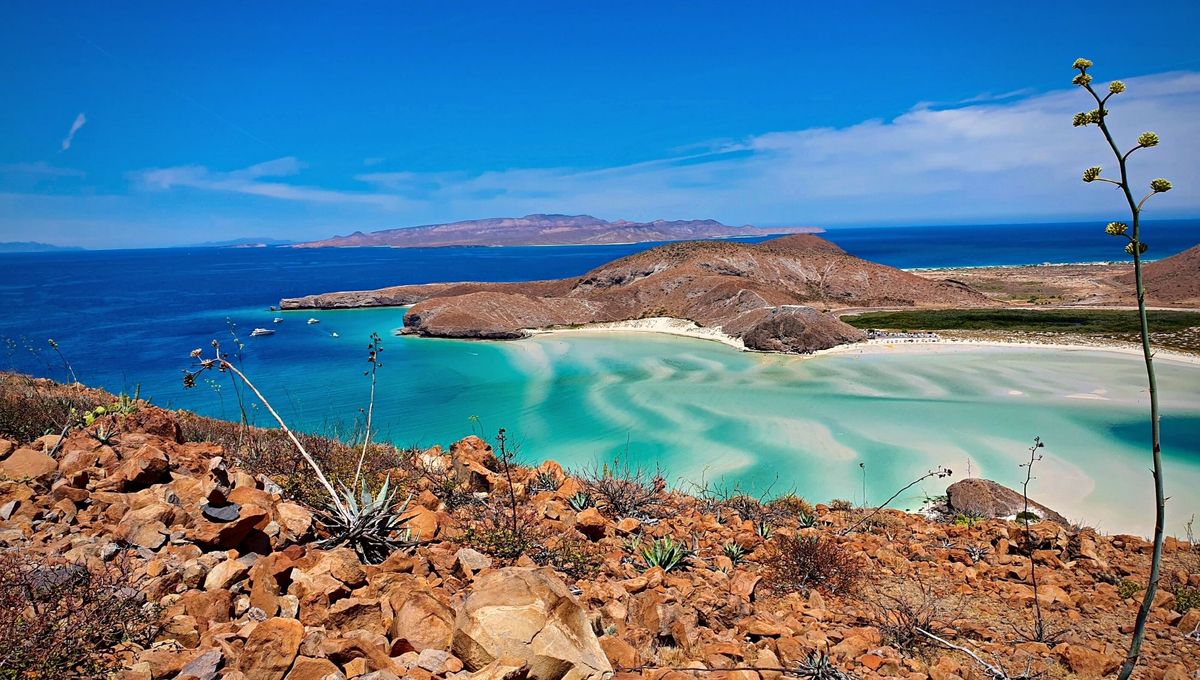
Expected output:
{"points": [[902, 608], [1030, 517], [814, 563], [1128, 588], [572, 556], [624, 491], [1186, 597], [30, 408], [791, 505], [63, 620], [840, 505], [967, 519]]}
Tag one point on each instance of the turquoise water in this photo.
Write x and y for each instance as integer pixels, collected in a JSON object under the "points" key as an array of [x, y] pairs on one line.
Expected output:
{"points": [[702, 410]]}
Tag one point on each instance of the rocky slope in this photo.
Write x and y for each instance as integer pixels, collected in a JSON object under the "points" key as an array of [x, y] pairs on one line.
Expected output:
{"points": [[545, 230], [243, 592], [1174, 280], [767, 294]]}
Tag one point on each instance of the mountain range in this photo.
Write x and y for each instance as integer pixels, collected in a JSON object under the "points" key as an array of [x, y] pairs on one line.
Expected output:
{"points": [[547, 230]]}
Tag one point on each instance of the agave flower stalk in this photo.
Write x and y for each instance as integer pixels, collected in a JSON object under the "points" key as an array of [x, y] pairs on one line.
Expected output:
{"points": [[1135, 247]]}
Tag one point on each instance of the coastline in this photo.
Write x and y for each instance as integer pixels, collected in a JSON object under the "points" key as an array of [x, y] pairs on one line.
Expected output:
{"points": [[689, 329]]}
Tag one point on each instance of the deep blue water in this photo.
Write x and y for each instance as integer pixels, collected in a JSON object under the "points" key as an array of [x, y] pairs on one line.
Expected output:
{"points": [[127, 317]]}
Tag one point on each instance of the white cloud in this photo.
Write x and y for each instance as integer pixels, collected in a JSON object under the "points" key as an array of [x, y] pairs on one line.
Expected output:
{"points": [[994, 158], [254, 181], [80, 120]]}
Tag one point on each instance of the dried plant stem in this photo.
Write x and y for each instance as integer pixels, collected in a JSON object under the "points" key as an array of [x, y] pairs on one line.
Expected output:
{"points": [[939, 472], [226, 365], [1039, 626]]}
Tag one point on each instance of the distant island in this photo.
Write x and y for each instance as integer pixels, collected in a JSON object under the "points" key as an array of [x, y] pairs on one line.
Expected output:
{"points": [[33, 247], [247, 242], [548, 230], [770, 296]]}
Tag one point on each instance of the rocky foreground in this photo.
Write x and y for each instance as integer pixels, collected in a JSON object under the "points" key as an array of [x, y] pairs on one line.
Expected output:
{"points": [[773, 296], [228, 564]]}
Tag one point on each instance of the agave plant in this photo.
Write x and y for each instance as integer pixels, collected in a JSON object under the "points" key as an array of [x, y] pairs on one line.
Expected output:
{"points": [[371, 524], [818, 667], [581, 501], [806, 520], [764, 530], [734, 552], [665, 552]]}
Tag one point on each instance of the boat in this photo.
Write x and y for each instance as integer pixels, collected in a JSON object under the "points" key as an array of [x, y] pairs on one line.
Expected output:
{"points": [[278, 319], [261, 331], [312, 321], [334, 334]]}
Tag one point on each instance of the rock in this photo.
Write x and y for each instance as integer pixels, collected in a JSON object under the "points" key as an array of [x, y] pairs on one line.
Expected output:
{"points": [[504, 668], [7, 446], [989, 499], [271, 648], [229, 534], [421, 621], [530, 615], [307, 668], [203, 667], [1088, 663], [221, 514], [146, 466], [591, 523], [225, 574], [619, 652], [28, 464], [471, 561]]}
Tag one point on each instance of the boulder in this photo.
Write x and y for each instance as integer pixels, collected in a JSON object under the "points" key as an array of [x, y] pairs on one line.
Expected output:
{"points": [[27, 464], [271, 648], [989, 499], [528, 614]]}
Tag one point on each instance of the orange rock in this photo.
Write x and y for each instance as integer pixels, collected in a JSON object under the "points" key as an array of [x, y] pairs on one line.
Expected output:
{"points": [[28, 464], [271, 648], [308, 668]]}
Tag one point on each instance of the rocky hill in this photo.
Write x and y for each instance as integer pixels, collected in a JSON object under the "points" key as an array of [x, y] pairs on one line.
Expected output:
{"points": [[546, 230], [771, 295], [1174, 280], [197, 543]]}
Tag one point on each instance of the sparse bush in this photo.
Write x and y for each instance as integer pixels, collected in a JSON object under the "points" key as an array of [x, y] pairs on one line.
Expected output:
{"points": [[623, 491], [902, 608], [840, 505], [1031, 517], [572, 556], [967, 519], [814, 563], [1128, 588], [63, 620], [30, 408], [748, 508], [791, 505], [1186, 597]]}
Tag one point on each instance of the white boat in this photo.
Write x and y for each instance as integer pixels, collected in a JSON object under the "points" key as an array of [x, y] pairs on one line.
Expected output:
{"points": [[261, 331], [334, 334], [278, 319], [312, 321]]}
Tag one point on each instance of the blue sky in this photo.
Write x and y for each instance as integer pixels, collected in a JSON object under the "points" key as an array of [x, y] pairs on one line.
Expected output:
{"points": [[301, 120]]}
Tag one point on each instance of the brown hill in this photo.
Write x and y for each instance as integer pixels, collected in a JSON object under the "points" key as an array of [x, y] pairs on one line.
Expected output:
{"points": [[762, 293], [1172, 281], [542, 230]]}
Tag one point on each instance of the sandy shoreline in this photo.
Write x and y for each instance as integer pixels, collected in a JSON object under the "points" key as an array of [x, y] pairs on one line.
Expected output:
{"points": [[689, 329]]}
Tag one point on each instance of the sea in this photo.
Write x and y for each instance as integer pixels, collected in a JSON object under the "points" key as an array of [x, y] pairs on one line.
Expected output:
{"points": [[701, 412]]}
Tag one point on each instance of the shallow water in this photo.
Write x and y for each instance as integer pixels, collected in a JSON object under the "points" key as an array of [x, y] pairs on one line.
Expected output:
{"points": [[702, 411]]}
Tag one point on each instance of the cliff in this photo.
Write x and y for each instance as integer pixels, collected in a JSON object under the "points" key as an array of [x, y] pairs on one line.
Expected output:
{"points": [[772, 295], [545, 230]]}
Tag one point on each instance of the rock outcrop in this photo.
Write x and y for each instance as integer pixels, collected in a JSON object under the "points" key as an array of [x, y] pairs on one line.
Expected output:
{"points": [[528, 615], [985, 498], [772, 295]]}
